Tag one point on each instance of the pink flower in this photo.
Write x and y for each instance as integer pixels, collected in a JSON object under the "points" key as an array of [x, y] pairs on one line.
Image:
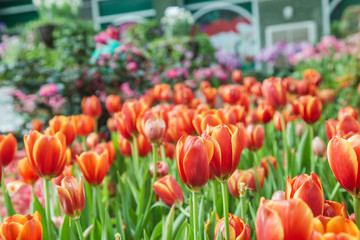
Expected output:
{"points": [[48, 90], [172, 73], [18, 94], [125, 88], [101, 38], [132, 66], [56, 102], [58, 220], [113, 32]]}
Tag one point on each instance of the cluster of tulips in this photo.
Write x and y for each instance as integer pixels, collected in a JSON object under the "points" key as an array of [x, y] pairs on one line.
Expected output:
{"points": [[131, 182]]}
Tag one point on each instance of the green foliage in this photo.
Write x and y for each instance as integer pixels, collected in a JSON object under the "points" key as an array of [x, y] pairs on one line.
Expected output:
{"points": [[143, 33]]}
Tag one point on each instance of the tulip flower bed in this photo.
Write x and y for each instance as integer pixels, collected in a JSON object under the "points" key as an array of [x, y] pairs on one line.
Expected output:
{"points": [[248, 161]]}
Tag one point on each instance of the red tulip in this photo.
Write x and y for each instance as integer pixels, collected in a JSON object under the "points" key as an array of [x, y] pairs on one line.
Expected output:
{"points": [[84, 124], [193, 155], [109, 147], [211, 117], [344, 158], [237, 76], [348, 111], [124, 146], [65, 125], [162, 169], [265, 112], [93, 166], [239, 230], [310, 108], [247, 177], [274, 91], [120, 125], [46, 154], [132, 111], [309, 189], [264, 163], [8, 148], [169, 191], [228, 141], [333, 209], [91, 106], [72, 196], [37, 124], [255, 137], [92, 140], [113, 104], [313, 76], [144, 147], [163, 92], [284, 220]]}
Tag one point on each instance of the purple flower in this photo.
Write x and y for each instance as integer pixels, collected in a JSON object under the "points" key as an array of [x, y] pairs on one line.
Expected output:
{"points": [[48, 90], [227, 59]]}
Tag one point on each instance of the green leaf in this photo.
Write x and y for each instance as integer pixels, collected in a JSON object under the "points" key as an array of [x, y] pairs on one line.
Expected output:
{"points": [[201, 219], [65, 229], [183, 231], [38, 207], [212, 225], [290, 134], [157, 231], [303, 157], [8, 204], [169, 224]]}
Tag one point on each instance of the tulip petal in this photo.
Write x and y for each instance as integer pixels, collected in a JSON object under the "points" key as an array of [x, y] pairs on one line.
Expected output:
{"points": [[343, 163], [31, 230], [268, 224], [339, 224], [10, 230]]}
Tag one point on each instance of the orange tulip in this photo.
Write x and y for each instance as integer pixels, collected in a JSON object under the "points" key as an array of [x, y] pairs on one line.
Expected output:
{"points": [[72, 196], [37, 124], [162, 169], [228, 141], [132, 110], [120, 125], [144, 147], [344, 159], [124, 146], [113, 104], [20, 227], [255, 137], [247, 177], [264, 163], [239, 230], [237, 76], [154, 129], [8, 148], [310, 108], [92, 140], [210, 95], [309, 189], [66, 173], [347, 126], [91, 106], [84, 124], [111, 125], [284, 220], [326, 95], [231, 93], [183, 95], [211, 117], [313, 76], [238, 111], [348, 111], [26, 171], [193, 155], [265, 112], [93, 166], [330, 128], [163, 92], [169, 191], [109, 146], [333, 209], [169, 150], [334, 228], [274, 91], [65, 125], [46, 154], [249, 82], [287, 118], [256, 89]]}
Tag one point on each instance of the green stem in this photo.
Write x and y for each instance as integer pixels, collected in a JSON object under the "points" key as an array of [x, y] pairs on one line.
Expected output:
{"points": [[135, 156], [99, 203], [96, 124], [357, 210], [79, 229], [312, 160], [242, 207], [195, 214], [226, 209], [255, 158], [94, 198], [9, 208], [285, 146], [47, 206], [163, 155], [154, 148], [214, 193]]}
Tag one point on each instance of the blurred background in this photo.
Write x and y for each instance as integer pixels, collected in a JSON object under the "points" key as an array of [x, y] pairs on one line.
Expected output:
{"points": [[54, 52]]}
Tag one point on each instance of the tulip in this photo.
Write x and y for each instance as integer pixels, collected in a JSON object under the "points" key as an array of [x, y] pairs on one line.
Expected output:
{"points": [[120, 125], [20, 227], [239, 230], [326, 95], [111, 125], [347, 126], [348, 111], [278, 195], [124, 146], [310, 108], [84, 124], [66, 173], [309, 189], [71, 196], [211, 117], [231, 93], [333, 209], [92, 140], [334, 228], [210, 95], [237, 76], [144, 147], [283, 220], [265, 112], [287, 118], [162, 169], [132, 110], [46, 154], [169, 191], [264, 163], [274, 91], [247, 177], [93, 166], [183, 95], [255, 137], [193, 155], [113, 104], [318, 147], [237, 110], [154, 129], [8, 148], [248, 82], [65, 125], [37, 124], [162, 92], [300, 128], [256, 89], [109, 147], [330, 128], [91, 106], [313, 76], [26, 171]]}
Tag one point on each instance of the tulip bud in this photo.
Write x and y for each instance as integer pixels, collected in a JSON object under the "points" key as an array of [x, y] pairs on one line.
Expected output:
{"points": [[169, 191], [92, 140], [300, 128], [154, 129], [37, 124], [162, 169], [237, 76], [247, 177], [22, 227], [113, 104], [111, 125], [255, 137], [265, 112], [238, 228], [278, 195], [318, 147], [309, 189], [8, 148], [264, 163], [310, 108], [333, 209], [93, 166], [91, 106], [274, 91], [71, 196]]}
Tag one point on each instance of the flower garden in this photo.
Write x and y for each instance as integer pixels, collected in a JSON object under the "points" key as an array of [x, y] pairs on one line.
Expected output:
{"points": [[146, 131]]}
